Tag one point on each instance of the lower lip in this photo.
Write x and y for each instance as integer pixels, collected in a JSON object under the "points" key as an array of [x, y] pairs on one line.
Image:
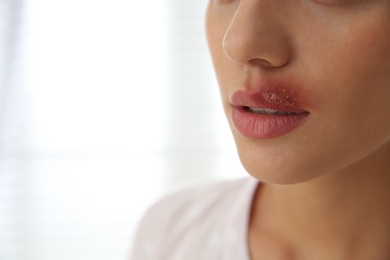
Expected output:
{"points": [[258, 126]]}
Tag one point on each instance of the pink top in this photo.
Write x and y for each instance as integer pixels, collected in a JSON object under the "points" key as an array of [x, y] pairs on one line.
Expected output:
{"points": [[208, 222]]}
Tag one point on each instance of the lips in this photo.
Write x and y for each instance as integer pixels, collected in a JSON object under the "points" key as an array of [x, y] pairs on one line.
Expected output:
{"points": [[266, 113]]}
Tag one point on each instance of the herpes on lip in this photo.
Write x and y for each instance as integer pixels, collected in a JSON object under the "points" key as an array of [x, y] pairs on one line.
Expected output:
{"points": [[280, 97]]}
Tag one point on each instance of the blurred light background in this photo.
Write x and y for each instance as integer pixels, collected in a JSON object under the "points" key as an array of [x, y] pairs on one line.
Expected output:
{"points": [[105, 105]]}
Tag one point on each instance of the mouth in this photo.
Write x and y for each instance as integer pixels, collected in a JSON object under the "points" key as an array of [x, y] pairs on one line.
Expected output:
{"points": [[267, 113]]}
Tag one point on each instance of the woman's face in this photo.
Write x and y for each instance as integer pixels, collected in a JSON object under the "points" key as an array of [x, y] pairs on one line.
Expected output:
{"points": [[305, 84]]}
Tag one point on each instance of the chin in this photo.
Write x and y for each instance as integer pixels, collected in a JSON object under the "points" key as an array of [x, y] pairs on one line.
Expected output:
{"points": [[275, 175], [278, 165]]}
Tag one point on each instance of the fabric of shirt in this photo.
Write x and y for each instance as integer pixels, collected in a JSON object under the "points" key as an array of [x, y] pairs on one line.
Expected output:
{"points": [[208, 222]]}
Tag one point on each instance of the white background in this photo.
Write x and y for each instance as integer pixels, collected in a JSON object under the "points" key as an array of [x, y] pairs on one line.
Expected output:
{"points": [[106, 105]]}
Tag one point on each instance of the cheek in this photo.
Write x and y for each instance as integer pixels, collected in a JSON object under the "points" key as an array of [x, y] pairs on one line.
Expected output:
{"points": [[353, 76], [353, 82]]}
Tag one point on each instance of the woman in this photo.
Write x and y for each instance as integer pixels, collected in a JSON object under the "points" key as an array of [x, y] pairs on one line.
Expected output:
{"points": [[306, 89]]}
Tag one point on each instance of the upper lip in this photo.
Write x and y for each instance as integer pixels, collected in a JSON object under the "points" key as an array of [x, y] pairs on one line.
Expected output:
{"points": [[270, 97]]}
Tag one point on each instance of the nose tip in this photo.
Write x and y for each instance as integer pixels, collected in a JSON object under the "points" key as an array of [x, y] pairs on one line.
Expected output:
{"points": [[242, 51], [257, 38]]}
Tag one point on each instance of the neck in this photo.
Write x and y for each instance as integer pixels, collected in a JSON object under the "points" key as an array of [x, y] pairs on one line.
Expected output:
{"points": [[344, 213]]}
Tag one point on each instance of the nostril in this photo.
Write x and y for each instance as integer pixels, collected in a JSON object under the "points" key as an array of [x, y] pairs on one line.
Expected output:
{"points": [[267, 64], [261, 62]]}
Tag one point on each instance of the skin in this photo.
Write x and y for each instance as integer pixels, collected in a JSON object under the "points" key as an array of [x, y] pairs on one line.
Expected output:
{"points": [[326, 192]]}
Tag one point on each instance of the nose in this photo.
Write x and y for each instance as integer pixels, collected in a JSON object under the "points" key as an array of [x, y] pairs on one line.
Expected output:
{"points": [[257, 35]]}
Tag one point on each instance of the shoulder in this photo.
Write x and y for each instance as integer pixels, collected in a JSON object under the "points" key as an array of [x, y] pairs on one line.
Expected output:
{"points": [[173, 220]]}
